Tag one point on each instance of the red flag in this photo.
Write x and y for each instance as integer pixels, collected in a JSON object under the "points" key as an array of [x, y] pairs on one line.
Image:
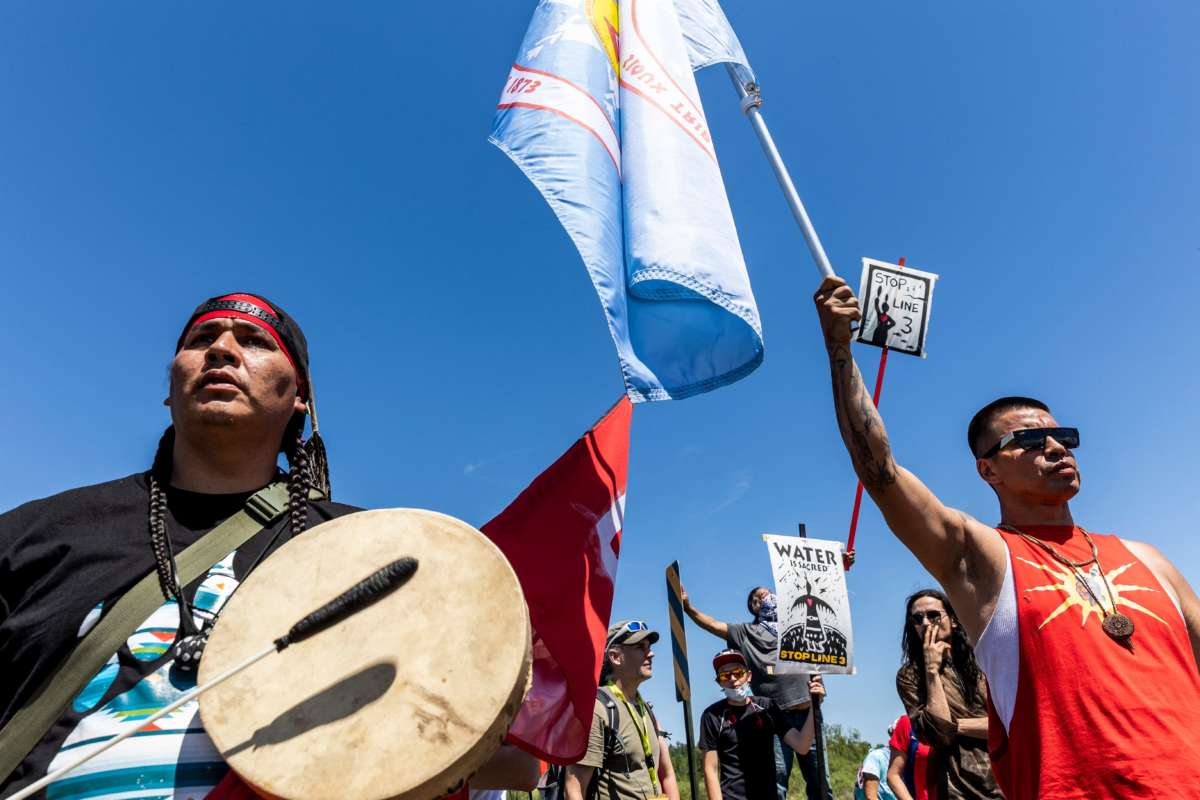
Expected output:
{"points": [[562, 536]]}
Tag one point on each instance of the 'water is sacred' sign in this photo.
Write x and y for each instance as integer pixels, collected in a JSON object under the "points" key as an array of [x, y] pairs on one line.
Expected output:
{"points": [[814, 608]]}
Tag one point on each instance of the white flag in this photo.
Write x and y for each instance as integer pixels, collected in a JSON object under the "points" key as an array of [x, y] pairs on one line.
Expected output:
{"points": [[601, 112], [710, 39]]}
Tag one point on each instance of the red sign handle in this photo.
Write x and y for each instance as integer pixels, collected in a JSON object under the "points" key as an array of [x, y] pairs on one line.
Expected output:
{"points": [[858, 493]]}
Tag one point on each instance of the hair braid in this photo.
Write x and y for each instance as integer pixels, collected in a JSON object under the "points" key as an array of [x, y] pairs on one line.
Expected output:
{"points": [[298, 483], [160, 475]]}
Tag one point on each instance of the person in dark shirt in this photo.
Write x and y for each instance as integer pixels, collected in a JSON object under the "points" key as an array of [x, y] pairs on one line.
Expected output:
{"points": [[737, 734], [758, 641], [240, 394]]}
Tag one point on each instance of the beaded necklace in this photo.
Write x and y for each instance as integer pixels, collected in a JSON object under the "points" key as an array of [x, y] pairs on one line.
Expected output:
{"points": [[1118, 626]]}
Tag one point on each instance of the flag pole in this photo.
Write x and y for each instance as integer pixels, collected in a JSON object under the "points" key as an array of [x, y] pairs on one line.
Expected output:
{"points": [[751, 98]]}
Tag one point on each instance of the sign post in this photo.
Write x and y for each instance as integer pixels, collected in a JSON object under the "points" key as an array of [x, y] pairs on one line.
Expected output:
{"points": [[891, 296], [683, 688], [819, 728]]}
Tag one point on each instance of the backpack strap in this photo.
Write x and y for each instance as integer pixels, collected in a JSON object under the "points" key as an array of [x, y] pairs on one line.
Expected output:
{"points": [[653, 742], [31, 722], [613, 746]]}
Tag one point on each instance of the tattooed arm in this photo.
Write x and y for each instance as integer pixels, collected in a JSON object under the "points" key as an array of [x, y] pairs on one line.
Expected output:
{"points": [[966, 557]]}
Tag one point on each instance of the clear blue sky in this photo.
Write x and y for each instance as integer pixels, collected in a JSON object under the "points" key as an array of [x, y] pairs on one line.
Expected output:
{"points": [[1041, 157]]}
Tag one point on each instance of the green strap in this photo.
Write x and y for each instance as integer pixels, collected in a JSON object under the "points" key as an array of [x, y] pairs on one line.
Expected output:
{"points": [[34, 719]]}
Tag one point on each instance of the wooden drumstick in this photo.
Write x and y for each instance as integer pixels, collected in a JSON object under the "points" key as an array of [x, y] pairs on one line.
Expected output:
{"points": [[367, 591]]}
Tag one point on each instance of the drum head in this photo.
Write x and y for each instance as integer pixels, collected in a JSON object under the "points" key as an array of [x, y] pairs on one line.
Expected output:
{"points": [[404, 699]]}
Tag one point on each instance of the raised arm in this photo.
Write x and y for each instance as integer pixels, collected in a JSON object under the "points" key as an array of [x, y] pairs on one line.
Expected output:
{"points": [[966, 557], [710, 624]]}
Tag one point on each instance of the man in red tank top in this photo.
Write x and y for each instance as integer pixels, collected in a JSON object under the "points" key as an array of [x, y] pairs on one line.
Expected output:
{"points": [[1090, 643]]}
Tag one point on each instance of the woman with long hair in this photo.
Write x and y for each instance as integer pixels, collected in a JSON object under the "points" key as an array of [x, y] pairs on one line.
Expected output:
{"points": [[945, 695]]}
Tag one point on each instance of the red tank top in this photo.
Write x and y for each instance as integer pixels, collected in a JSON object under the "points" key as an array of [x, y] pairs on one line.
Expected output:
{"points": [[1092, 718]]}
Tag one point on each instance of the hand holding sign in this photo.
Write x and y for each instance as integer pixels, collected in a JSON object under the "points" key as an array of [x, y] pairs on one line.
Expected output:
{"points": [[837, 309]]}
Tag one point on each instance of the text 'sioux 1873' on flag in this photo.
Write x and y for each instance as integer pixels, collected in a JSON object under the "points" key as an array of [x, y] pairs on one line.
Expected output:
{"points": [[601, 113], [562, 536]]}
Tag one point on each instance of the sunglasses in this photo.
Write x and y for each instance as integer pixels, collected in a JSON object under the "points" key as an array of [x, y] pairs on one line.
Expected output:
{"points": [[626, 629], [1035, 439], [730, 675], [917, 617]]}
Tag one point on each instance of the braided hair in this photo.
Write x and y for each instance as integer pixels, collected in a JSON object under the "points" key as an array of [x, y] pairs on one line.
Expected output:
{"points": [[160, 475], [299, 475], [306, 470], [962, 655]]}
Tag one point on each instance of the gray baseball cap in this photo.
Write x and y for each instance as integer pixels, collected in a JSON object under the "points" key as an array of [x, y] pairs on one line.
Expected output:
{"points": [[629, 632]]}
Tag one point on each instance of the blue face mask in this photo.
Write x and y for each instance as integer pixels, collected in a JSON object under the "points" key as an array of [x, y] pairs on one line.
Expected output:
{"points": [[737, 692], [767, 609]]}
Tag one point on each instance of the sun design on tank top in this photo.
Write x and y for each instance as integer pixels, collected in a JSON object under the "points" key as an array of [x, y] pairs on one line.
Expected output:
{"points": [[1077, 595]]}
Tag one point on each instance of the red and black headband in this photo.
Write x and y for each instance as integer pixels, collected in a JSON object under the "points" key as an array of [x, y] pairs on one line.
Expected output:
{"points": [[266, 315]]}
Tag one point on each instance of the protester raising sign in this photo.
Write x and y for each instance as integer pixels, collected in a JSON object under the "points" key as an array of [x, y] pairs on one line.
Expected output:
{"points": [[814, 609], [896, 302]]}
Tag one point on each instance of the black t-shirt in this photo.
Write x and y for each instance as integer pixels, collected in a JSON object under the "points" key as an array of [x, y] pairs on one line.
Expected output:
{"points": [[64, 561], [744, 738]]}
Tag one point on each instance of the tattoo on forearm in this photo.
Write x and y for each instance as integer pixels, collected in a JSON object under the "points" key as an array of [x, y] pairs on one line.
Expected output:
{"points": [[860, 423]]}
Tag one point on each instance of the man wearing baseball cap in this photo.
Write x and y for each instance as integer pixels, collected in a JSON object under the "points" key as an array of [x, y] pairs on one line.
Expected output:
{"points": [[737, 734], [627, 756]]}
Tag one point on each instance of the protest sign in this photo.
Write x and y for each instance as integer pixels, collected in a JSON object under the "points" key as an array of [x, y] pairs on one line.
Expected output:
{"points": [[896, 302], [814, 608]]}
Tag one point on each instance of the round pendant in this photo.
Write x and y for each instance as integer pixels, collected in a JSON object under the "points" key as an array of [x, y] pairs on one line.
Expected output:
{"points": [[1118, 626]]}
